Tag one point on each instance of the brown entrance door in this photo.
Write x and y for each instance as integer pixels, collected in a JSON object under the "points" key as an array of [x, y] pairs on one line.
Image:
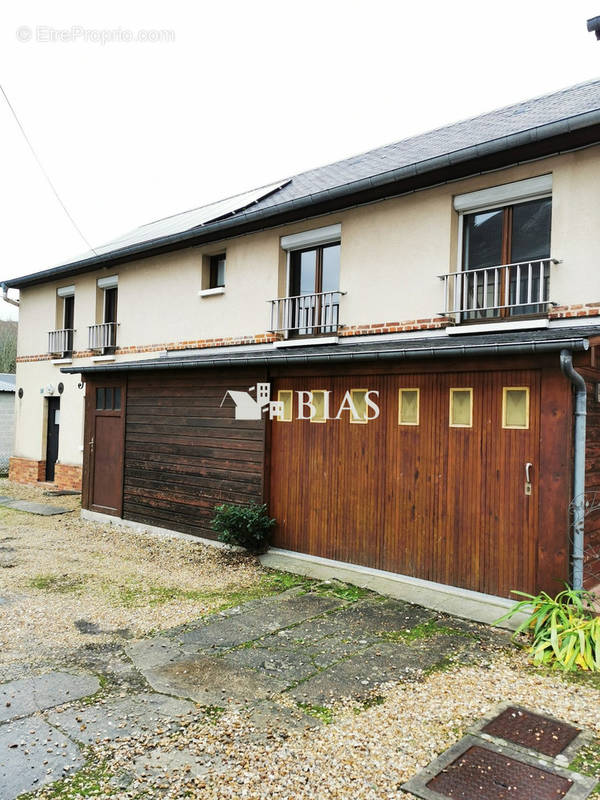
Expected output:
{"points": [[105, 439]]}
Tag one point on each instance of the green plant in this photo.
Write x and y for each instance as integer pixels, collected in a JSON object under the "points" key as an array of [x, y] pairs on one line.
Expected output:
{"points": [[564, 630], [247, 526]]}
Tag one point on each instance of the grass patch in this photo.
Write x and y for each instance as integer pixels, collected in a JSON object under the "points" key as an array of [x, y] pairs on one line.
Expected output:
{"points": [[212, 714], [344, 591], [588, 763], [135, 594], [61, 584], [422, 631], [320, 712], [90, 781]]}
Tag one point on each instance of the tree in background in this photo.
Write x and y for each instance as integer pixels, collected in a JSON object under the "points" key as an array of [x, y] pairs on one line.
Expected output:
{"points": [[8, 346]]}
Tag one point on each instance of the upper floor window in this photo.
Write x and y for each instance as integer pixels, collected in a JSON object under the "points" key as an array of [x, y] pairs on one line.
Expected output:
{"points": [[504, 259], [313, 283], [216, 278], [103, 335], [60, 341]]}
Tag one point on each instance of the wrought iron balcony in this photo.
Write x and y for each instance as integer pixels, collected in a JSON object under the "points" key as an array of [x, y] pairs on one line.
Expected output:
{"points": [[103, 337], [60, 343], [507, 290], [306, 314]]}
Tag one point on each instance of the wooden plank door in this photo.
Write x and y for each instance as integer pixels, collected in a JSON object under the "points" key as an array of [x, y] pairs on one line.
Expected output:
{"points": [[105, 434]]}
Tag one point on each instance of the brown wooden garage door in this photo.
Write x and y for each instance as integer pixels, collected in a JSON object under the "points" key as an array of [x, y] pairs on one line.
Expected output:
{"points": [[185, 453], [446, 504]]}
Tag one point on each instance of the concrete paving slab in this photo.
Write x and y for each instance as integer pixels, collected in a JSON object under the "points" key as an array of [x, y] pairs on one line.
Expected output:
{"points": [[43, 509], [388, 661], [143, 713], [212, 681], [253, 622], [150, 653], [25, 696], [32, 753], [290, 664]]}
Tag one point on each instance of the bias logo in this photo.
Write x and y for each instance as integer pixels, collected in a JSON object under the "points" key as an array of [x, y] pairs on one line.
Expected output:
{"points": [[249, 407]]}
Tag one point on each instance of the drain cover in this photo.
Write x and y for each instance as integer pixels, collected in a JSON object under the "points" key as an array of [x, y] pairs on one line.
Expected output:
{"points": [[542, 734], [482, 774]]}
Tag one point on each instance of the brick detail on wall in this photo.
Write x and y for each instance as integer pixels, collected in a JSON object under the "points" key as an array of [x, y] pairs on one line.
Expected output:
{"points": [[431, 323], [26, 470], [578, 310], [67, 476]]}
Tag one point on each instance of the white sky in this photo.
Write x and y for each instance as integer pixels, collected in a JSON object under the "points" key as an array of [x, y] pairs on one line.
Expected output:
{"points": [[243, 93]]}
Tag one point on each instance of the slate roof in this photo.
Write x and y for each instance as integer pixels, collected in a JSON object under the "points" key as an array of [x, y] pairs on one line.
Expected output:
{"points": [[561, 112], [496, 343], [7, 382]]}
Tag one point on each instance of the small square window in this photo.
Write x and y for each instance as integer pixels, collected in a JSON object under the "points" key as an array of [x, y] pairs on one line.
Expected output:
{"points": [[117, 398], [515, 407], [461, 408], [359, 401], [408, 406], [318, 401], [217, 271], [285, 396], [100, 399]]}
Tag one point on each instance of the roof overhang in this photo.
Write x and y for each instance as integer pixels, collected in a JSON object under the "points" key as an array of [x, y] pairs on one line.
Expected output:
{"points": [[499, 344], [556, 137]]}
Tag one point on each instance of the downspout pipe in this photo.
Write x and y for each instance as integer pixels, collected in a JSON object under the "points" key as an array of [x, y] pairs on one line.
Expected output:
{"points": [[578, 504], [6, 298]]}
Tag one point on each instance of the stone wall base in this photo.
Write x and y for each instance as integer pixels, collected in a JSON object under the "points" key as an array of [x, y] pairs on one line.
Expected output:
{"points": [[30, 471]]}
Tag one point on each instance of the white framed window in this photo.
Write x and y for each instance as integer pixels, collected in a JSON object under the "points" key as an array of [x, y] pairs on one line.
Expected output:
{"points": [[503, 266]]}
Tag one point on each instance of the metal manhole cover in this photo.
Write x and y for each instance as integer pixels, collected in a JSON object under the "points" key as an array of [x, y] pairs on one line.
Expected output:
{"points": [[542, 734], [482, 774]]}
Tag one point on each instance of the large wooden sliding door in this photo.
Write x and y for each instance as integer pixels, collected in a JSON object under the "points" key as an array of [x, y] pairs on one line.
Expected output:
{"points": [[443, 503]]}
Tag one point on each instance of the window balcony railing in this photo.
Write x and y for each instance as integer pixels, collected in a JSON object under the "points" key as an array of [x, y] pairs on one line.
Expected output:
{"points": [[103, 337], [60, 343], [306, 314], [507, 290]]}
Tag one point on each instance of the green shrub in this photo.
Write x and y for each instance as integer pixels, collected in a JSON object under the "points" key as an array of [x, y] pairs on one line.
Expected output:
{"points": [[564, 630], [247, 526]]}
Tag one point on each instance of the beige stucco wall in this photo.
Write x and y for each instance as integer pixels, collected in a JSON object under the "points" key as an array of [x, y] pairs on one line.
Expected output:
{"points": [[392, 252]]}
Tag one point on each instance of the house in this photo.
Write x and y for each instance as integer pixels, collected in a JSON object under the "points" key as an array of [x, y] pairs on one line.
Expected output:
{"points": [[426, 317], [7, 419]]}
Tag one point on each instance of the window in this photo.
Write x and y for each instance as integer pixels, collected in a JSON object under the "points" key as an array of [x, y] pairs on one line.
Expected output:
{"points": [[408, 406], [216, 279], [103, 335], [314, 284], [505, 250], [108, 398], [65, 321], [515, 407], [359, 401], [319, 402], [286, 396], [461, 408]]}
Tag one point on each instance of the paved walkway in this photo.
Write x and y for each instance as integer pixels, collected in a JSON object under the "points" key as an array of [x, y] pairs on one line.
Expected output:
{"points": [[282, 658]]}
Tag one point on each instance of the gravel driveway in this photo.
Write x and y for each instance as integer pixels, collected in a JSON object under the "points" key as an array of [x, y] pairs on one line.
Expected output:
{"points": [[136, 667]]}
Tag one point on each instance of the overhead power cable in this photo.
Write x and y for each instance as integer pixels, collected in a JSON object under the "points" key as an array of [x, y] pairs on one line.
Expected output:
{"points": [[44, 173]]}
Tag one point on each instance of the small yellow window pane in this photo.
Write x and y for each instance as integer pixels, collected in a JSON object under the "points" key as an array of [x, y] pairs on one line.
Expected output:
{"points": [[359, 400], [515, 407], [461, 408], [318, 401], [285, 396], [408, 409]]}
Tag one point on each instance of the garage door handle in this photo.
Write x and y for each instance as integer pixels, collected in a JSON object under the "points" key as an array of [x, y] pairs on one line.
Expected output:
{"points": [[92, 445], [528, 467]]}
